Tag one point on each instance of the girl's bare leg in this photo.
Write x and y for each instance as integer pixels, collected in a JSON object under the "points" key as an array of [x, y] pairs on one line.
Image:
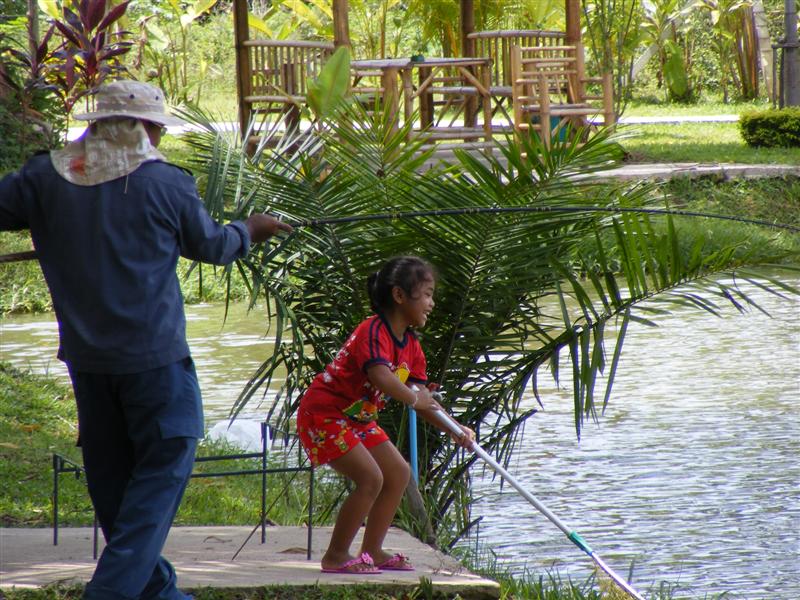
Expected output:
{"points": [[396, 472], [360, 467]]}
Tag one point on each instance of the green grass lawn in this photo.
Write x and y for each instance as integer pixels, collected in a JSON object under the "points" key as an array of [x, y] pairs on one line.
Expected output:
{"points": [[638, 108], [698, 142]]}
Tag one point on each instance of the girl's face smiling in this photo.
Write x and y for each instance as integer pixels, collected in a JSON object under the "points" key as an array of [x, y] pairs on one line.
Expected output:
{"points": [[415, 309]]}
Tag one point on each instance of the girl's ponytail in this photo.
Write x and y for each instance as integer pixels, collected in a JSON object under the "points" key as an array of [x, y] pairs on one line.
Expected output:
{"points": [[373, 292]]}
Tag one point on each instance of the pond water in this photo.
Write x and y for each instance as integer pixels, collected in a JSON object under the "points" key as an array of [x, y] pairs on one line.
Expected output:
{"points": [[225, 354], [693, 474]]}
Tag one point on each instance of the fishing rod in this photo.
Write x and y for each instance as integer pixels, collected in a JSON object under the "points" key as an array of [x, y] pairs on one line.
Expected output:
{"points": [[490, 210], [449, 423], [18, 256], [477, 210]]}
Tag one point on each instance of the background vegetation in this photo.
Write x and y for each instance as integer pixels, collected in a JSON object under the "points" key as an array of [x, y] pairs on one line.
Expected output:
{"points": [[663, 51]]}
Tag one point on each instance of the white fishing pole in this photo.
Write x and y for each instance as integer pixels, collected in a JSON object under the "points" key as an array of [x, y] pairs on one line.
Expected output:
{"points": [[449, 423]]}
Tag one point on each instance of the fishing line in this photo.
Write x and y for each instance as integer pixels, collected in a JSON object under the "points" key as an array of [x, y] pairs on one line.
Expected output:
{"points": [[490, 210], [475, 210]]}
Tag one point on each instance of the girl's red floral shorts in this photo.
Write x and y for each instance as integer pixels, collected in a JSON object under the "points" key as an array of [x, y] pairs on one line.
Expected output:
{"points": [[328, 435]]}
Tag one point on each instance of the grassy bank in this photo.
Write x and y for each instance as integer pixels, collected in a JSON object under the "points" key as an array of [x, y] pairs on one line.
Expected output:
{"points": [[38, 418], [698, 142]]}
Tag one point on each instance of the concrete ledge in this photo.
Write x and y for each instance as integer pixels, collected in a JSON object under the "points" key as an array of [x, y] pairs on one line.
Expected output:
{"points": [[202, 557], [664, 171]]}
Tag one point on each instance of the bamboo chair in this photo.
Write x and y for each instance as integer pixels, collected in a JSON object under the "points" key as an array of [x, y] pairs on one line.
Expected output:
{"points": [[368, 88], [546, 85], [279, 70], [497, 45]]}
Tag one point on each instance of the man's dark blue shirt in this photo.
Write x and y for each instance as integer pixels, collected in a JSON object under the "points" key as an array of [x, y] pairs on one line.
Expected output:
{"points": [[109, 253]]}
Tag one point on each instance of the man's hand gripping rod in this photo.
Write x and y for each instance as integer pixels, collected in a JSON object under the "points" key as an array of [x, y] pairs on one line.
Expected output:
{"points": [[450, 424]]}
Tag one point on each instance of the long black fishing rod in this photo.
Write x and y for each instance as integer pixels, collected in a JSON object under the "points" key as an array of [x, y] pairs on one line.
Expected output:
{"points": [[18, 256], [477, 210], [490, 210]]}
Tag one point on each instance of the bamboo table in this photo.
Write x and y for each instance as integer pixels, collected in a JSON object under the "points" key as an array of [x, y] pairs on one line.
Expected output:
{"points": [[460, 82], [388, 69]]}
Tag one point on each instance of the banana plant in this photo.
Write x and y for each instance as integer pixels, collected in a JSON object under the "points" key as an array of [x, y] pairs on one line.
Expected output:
{"points": [[734, 41], [328, 91], [664, 26]]}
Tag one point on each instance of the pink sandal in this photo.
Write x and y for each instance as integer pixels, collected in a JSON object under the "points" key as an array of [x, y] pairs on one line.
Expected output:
{"points": [[347, 568], [398, 562]]}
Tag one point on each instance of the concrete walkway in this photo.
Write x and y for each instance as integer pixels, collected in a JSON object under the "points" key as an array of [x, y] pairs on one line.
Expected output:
{"points": [[202, 557], [663, 171]]}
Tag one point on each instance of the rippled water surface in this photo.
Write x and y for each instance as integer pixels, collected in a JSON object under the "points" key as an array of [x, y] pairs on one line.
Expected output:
{"points": [[693, 473], [226, 355]]}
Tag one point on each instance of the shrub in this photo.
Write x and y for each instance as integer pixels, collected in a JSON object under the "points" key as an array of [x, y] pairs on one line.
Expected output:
{"points": [[771, 128]]}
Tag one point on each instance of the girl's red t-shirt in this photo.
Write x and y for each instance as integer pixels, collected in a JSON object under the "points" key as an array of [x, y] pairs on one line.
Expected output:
{"points": [[344, 387]]}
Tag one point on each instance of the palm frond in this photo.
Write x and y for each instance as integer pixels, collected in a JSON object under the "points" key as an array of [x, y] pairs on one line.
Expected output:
{"points": [[516, 290]]}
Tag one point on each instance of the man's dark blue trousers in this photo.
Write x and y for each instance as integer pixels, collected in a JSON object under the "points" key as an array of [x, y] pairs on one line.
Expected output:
{"points": [[138, 433]]}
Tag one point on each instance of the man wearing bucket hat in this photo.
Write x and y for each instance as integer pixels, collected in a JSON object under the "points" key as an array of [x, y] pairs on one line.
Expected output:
{"points": [[109, 219]]}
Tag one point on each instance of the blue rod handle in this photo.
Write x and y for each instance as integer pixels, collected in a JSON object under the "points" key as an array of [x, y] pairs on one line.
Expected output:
{"points": [[412, 444]]}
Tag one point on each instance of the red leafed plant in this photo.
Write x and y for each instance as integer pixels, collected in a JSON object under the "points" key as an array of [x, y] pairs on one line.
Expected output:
{"points": [[91, 49]]}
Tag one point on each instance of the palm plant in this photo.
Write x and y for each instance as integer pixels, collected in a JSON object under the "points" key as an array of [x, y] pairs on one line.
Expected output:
{"points": [[515, 289]]}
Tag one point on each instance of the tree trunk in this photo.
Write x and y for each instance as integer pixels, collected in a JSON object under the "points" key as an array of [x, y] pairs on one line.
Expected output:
{"points": [[791, 84], [764, 46], [33, 26]]}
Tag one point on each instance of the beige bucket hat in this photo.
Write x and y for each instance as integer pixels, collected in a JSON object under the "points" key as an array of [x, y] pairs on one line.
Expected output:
{"points": [[133, 99]]}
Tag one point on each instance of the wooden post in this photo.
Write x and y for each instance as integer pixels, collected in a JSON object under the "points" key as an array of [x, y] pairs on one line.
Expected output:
{"points": [[425, 99], [408, 100], [468, 49], [486, 102], [341, 24], [609, 117], [467, 27], [573, 38], [544, 109], [517, 88], [391, 96], [244, 77]]}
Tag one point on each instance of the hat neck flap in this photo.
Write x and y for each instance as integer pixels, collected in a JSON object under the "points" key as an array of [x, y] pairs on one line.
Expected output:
{"points": [[107, 150]]}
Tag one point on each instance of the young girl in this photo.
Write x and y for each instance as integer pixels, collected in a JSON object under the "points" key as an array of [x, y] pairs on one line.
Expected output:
{"points": [[336, 418]]}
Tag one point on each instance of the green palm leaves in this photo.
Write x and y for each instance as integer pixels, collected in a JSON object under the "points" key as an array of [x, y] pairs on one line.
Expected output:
{"points": [[515, 289]]}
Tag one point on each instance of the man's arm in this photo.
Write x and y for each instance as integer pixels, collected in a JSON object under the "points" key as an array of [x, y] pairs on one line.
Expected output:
{"points": [[12, 213]]}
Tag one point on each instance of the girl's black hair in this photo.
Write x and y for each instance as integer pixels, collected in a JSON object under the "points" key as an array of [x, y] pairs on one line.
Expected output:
{"points": [[405, 272]]}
